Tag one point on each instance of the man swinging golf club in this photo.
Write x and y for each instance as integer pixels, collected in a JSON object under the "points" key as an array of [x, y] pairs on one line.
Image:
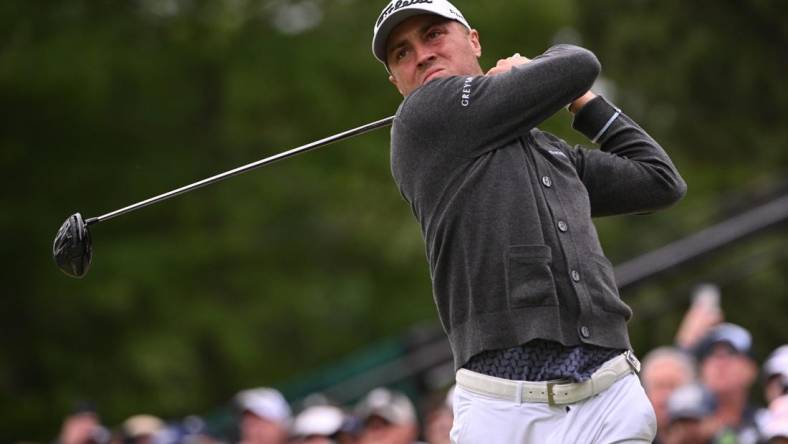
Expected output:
{"points": [[520, 281]]}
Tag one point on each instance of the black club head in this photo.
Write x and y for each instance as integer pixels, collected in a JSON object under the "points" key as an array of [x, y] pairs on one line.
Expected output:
{"points": [[72, 249]]}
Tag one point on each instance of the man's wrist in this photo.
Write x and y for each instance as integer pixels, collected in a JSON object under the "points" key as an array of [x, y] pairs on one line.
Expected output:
{"points": [[580, 102], [595, 117]]}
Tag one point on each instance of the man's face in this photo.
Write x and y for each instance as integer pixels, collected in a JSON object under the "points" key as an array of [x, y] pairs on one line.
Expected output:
{"points": [[725, 371], [438, 426], [776, 386], [257, 430], [379, 431], [427, 47], [660, 379], [685, 431], [79, 428], [316, 439]]}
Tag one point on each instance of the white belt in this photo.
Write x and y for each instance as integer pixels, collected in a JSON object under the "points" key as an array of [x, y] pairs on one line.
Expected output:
{"points": [[553, 392]]}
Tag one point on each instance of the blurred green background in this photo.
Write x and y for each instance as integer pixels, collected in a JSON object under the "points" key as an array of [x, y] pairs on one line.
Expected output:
{"points": [[273, 275]]}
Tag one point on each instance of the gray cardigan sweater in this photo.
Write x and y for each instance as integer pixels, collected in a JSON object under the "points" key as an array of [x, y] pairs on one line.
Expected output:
{"points": [[505, 209]]}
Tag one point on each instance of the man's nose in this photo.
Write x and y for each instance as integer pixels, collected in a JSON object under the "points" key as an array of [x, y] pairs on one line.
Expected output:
{"points": [[424, 56]]}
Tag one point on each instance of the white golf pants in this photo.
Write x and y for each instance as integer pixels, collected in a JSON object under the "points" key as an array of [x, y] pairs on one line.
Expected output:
{"points": [[620, 414]]}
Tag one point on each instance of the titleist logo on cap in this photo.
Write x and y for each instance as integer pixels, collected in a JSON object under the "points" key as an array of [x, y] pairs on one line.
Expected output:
{"points": [[395, 6]]}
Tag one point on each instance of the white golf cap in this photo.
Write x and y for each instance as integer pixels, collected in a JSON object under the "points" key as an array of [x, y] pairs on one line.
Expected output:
{"points": [[392, 406], [399, 10], [265, 403], [777, 363], [321, 420], [691, 401], [138, 426]]}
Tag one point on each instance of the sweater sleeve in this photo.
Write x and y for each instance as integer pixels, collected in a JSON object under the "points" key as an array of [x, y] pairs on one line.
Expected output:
{"points": [[474, 115], [631, 173]]}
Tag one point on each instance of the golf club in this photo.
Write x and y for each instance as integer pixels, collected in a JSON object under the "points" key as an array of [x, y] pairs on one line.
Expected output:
{"points": [[73, 250]]}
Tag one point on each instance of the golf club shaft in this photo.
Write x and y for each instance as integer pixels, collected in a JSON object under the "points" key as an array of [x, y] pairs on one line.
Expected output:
{"points": [[242, 169]]}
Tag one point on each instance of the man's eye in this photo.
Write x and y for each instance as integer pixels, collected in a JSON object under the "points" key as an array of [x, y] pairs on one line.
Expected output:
{"points": [[436, 32], [399, 55]]}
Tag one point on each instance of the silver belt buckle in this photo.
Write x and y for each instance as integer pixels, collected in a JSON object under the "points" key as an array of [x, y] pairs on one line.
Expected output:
{"points": [[633, 361]]}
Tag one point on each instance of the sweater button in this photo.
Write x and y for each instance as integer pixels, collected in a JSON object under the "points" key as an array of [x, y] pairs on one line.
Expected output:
{"points": [[546, 181], [575, 276], [562, 226], [585, 332]]}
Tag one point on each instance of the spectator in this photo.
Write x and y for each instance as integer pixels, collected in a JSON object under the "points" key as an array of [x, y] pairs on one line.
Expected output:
{"points": [[775, 374], [142, 429], [776, 428], [664, 370], [319, 424], [197, 431], [775, 382], [728, 369], [688, 409], [438, 419], [703, 314], [388, 417], [82, 426], [265, 416]]}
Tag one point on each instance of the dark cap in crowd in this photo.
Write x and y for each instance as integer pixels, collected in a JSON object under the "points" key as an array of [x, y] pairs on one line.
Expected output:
{"points": [[392, 406], [734, 336], [691, 401]]}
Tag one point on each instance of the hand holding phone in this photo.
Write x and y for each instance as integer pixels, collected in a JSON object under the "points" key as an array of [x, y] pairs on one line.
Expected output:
{"points": [[703, 314]]}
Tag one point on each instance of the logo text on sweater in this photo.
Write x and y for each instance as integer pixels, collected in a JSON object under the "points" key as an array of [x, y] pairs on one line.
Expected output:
{"points": [[466, 92]]}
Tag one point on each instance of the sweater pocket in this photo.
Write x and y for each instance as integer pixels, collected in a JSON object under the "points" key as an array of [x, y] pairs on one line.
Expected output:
{"points": [[529, 280], [603, 289]]}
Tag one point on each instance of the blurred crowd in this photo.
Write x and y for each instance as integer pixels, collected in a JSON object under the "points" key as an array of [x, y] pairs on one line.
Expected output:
{"points": [[263, 416], [700, 388]]}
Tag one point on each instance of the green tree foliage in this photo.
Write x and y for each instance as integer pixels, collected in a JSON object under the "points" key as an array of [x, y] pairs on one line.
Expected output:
{"points": [[273, 274]]}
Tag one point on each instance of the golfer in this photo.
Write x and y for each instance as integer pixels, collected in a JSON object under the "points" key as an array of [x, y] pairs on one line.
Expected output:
{"points": [[520, 281]]}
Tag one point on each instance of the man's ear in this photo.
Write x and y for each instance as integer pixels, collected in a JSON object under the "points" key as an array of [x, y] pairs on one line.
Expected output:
{"points": [[393, 80], [473, 35]]}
